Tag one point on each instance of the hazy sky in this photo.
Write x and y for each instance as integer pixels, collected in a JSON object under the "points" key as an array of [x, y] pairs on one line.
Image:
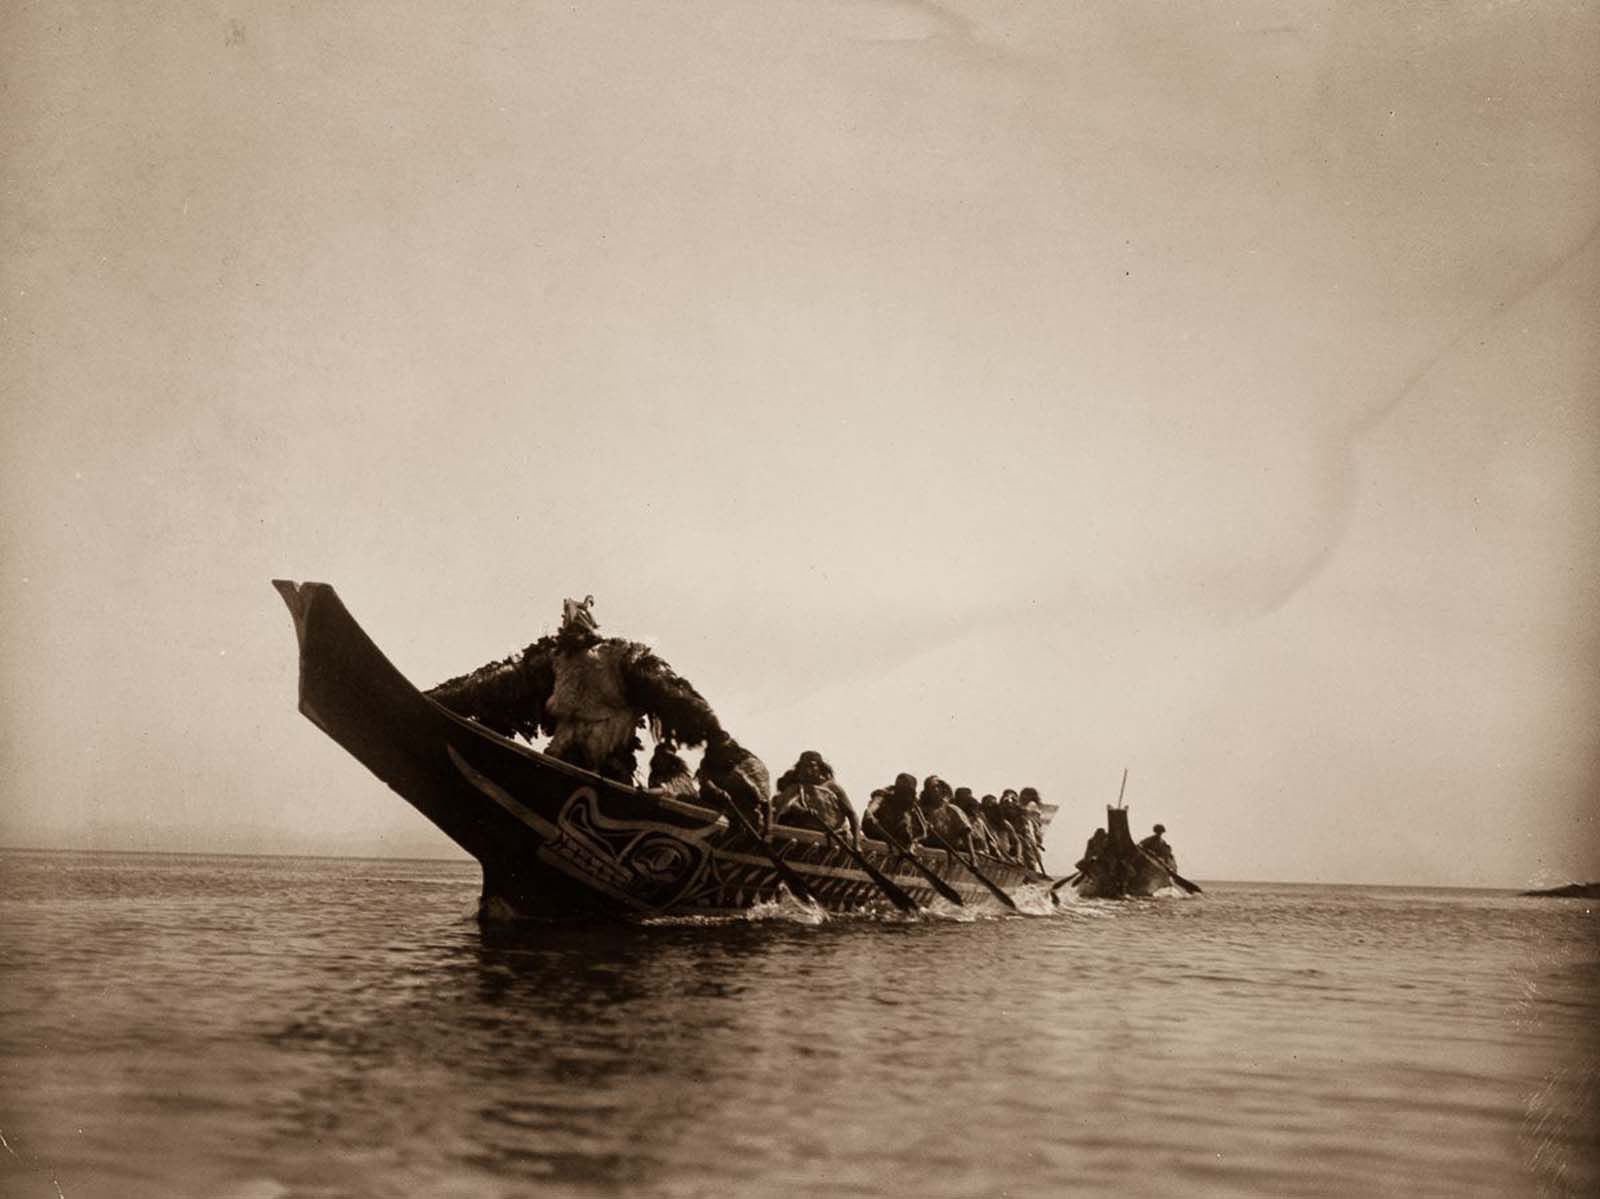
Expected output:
{"points": [[1013, 391]]}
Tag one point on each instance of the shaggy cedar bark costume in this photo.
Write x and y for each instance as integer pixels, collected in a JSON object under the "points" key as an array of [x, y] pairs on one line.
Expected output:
{"points": [[589, 693]]}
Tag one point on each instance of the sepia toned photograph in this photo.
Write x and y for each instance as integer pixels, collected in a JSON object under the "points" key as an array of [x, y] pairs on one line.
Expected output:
{"points": [[801, 599]]}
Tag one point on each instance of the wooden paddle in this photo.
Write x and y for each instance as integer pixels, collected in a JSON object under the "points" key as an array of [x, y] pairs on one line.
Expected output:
{"points": [[1062, 882], [896, 894], [937, 883], [973, 870], [785, 871], [1192, 888]]}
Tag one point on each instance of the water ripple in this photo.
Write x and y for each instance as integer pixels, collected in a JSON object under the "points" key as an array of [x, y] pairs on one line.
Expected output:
{"points": [[276, 1029]]}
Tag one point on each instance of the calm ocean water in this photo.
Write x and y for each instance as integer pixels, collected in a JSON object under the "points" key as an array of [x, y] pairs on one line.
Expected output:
{"points": [[261, 1027]]}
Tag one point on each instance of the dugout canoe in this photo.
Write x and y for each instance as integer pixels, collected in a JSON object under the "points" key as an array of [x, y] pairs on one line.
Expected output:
{"points": [[558, 842], [1122, 870]]}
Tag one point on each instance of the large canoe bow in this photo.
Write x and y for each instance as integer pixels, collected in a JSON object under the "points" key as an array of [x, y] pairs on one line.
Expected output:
{"points": [[556, 841]]}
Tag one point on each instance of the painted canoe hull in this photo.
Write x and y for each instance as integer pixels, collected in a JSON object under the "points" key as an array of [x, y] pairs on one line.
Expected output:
{"points": [[555, 841]]}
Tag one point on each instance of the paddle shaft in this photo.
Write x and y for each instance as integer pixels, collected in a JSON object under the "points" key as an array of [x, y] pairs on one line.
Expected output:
{"points": [[896, 895], [937, 883], [973, 870], [1192, 888], [785, 871]]}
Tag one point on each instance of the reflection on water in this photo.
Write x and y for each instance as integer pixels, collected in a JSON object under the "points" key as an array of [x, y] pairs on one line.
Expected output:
{"points": [[270, 1027]]}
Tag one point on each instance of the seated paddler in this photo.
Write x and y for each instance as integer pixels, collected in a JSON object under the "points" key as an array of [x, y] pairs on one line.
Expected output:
{"points": [[733, 778], [1033, 812], [1001, 836], [973, 811], [947, 824], [1017, 820], [589, 693], [1156, 846], [892, 815], [1094, 850], [1033, 809], [810, 797], [670, 775], [869, 818]]}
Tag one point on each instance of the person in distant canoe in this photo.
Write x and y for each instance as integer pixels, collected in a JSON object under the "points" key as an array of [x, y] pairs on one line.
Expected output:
{"points": [[589, 693], [946, 822], [893, 811], [1094, 850], [809, 796], [1156, 846]]}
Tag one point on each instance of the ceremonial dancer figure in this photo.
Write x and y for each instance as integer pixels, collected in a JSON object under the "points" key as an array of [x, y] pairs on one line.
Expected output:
{"points": [[589, 693]]}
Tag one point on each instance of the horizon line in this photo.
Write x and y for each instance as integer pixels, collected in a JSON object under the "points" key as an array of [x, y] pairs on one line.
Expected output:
{"points": [[465, 857]]}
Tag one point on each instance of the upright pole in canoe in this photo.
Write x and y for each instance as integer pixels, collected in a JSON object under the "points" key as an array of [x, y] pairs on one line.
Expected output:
{"points": [[1122, 789]]}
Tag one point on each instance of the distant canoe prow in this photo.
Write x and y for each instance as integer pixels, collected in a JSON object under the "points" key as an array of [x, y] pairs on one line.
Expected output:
{"points": [[1121, 868]]}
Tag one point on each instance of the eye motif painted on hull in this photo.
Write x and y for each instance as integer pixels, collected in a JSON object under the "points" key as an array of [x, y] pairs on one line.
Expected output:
{"points": [[646, 863], [660, 861]]}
